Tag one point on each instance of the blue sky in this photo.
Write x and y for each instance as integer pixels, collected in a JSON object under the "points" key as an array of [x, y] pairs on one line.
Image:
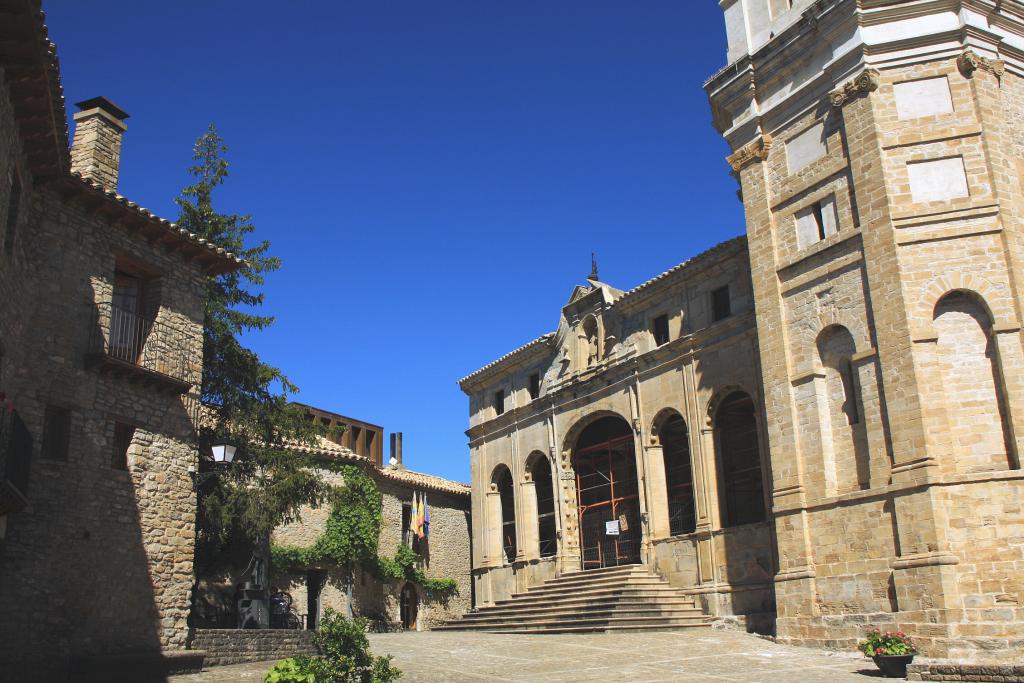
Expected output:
{"points": [[434, 175]]}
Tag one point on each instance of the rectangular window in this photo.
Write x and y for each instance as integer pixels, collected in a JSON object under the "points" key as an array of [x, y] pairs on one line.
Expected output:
{"points": [[534, 386], [816, 222], [720, 304], [123, 435], [13, 206], [660, 329], [56, 433], [499, 401], [408, 537], [356, 441]]}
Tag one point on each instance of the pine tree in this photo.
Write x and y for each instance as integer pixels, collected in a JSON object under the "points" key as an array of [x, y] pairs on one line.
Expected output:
{"points": [[245, 399]]}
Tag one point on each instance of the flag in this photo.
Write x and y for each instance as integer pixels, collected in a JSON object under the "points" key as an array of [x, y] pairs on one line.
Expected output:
{"points": [[419, 515], [426, 517]]}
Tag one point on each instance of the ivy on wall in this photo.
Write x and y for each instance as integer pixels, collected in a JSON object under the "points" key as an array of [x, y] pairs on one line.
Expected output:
{"points": [[351, 536]]}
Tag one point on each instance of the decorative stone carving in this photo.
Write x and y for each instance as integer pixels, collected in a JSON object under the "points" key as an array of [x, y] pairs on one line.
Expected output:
{"points": [[755, 151], [970, 61], [866, 82]]}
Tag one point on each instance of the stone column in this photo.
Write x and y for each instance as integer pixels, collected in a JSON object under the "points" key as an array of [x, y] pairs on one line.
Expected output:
{"points": [[530, 549], [657, 486], [569, 549]]}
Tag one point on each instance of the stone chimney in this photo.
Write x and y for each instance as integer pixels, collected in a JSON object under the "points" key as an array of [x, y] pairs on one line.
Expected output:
{"points": [[96, 151], [396, 450]]}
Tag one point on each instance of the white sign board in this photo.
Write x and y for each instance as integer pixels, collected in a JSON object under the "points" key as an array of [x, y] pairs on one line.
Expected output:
{"points": [[611, 528]]}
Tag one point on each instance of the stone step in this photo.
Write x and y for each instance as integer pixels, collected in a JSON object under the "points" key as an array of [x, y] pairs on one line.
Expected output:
{"points": [[577, 623], [584, 629], [586, 603], [631, 580], [653, 590], [605, 571], [613, 598], [556, 615]]}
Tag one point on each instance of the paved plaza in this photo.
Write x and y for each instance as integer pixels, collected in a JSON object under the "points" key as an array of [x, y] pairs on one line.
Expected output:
{"points": [[693, 655]]}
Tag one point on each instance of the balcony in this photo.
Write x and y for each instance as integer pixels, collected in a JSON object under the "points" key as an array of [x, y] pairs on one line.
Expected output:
{"points": [[141, 349], [15, 451]]}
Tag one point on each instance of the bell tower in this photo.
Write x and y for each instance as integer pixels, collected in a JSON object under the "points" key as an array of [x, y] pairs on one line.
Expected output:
{"points": [[879, 149]]}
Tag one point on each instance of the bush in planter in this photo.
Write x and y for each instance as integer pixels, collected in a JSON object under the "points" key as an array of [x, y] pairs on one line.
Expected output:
{"points": [[344, 657], [889, 643], [891, 651]]}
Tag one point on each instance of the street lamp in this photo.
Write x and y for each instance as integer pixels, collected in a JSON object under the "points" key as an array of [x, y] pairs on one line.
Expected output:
{"points": [[223, 454]]}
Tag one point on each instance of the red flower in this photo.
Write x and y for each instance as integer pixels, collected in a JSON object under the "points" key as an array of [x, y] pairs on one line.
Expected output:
{"points": [[879, 650]]}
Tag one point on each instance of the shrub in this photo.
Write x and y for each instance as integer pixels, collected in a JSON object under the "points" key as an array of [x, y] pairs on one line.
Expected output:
{"points": [[888, 643], [291, 670], [345, 657]]}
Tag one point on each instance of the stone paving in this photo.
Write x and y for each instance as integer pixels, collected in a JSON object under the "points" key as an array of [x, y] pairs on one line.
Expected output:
{"points": [[692, 655]]}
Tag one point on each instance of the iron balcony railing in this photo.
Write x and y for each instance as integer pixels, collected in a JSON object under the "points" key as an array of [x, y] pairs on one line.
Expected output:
{"points": [[144, 347]]}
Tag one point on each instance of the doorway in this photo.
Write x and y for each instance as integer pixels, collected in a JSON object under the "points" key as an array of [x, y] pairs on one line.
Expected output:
{"points": [[607, 494], [314, 586], [409, 607]]}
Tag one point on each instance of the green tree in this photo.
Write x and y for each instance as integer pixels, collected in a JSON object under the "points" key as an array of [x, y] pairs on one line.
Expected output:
{"points": [[245, 399]]}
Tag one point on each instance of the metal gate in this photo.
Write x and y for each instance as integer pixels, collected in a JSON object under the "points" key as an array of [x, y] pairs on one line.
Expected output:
{"points": [[606, 492]]}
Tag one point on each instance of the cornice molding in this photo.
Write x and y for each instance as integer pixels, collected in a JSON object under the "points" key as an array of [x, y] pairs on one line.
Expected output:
{"points": [[748, 154], [970, 61], [865, 83]]}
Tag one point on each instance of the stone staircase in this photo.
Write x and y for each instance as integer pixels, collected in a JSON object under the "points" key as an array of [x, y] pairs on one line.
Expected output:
{"points": [[613, 599]]}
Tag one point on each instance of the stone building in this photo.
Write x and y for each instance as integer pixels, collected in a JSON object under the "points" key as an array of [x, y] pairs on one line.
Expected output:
{"points": [[100, 343], [842, 448], [444, 553]]}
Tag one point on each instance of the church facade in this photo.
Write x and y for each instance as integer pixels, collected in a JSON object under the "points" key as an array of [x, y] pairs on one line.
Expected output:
{"points": [[816, 427]]}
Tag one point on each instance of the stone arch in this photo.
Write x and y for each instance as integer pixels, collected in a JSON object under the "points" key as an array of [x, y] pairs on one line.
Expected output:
{"points": [[572, 435], [841, 425], [737, 445], [994, 300], [970, 383], [719, 396], [539, 487], [671, 432], [502, 514], [604, 462]]}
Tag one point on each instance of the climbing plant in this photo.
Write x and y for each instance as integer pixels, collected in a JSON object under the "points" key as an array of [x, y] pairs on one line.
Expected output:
{"points": [[351, 536]]}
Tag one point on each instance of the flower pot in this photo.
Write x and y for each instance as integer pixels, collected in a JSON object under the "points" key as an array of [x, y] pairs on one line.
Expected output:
{"points": [[893, 666]]}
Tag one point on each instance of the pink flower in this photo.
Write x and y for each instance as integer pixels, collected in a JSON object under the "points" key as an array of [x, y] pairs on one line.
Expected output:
{"points": [[879, 650]]}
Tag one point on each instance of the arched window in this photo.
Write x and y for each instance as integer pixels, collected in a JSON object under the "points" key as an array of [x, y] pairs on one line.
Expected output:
{"points": [[742, 486], [540, 473], [974, 401], [502, 480], [675, 445], [843, 433]]}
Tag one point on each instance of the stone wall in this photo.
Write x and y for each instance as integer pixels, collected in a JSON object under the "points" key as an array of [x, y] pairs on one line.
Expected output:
{"points": [[231, 646], [445, 555], [101, 558]]}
